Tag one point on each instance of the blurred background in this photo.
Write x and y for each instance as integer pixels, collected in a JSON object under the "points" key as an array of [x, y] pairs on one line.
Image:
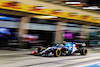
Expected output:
{"points": [[26, 25], [27, 29]]}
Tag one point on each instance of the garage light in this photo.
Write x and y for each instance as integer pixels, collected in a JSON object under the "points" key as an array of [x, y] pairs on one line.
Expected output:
{"points": [[96, 18], [73, 3], [49, 16], [92, 7]]}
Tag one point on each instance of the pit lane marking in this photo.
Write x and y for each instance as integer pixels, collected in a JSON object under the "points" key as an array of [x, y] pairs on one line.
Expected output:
{"points": [[82, 63], [89, 64], [84, 59], [94, 59]]}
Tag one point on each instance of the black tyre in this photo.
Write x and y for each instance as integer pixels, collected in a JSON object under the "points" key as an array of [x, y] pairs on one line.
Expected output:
{"points": [[63, 52], [57, 53], [83, 51], [69, 53], [40, 49]]}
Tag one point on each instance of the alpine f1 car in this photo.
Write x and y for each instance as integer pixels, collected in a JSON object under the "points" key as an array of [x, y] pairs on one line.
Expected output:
{"points": [[67, 48]]}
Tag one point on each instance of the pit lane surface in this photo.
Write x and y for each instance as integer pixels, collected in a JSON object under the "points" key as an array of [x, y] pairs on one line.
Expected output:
{"points": [[26, 60]]}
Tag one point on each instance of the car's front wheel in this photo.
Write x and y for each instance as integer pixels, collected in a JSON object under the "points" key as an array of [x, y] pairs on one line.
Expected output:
{"points": [[57, 53], [83, 51]]}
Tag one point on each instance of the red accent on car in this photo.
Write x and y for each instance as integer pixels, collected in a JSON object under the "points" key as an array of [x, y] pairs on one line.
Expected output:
{"points": [[52, 53], [61, 48], [33, 52], [75, 45]]}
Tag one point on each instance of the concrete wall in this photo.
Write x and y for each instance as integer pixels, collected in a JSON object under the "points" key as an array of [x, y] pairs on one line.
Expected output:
{"points": [[9, 24], [34, 26]]}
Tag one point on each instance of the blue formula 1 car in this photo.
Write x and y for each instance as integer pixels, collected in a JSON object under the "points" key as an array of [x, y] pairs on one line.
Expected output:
{"points": [[67, 48]]}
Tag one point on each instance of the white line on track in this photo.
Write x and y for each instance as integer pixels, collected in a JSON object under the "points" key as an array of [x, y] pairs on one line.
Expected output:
{"points": [[84, 59], [97, 62]]}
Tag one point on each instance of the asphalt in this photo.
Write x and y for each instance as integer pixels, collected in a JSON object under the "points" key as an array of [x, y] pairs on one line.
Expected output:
{"points": [[21, 58]]}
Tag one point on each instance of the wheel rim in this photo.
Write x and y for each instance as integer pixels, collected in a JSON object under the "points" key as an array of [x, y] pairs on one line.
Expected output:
{"points": [[42, 49], [85, 51], [58, 52]]}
